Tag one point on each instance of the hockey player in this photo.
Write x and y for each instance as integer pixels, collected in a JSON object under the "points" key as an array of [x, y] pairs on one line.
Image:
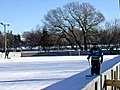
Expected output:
{"points": [[96, 55]]}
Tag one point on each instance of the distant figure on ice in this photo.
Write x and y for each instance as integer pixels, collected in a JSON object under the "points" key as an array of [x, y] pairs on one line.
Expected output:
{"points": [[7, 54], [96, 55], [111, 50]]}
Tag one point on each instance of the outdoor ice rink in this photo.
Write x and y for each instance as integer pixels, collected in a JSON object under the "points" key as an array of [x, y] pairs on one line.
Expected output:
{"points": [[36, 73]]}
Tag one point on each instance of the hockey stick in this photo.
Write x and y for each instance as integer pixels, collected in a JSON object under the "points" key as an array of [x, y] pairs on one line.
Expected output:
{"points": [[89, 61], [89, 75]]}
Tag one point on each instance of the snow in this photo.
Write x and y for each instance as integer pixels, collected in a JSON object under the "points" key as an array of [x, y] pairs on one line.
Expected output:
{"points": [[36, 73]]}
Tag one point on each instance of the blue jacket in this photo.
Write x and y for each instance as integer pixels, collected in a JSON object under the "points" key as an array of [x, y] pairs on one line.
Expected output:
{"points": [[95, 53]]}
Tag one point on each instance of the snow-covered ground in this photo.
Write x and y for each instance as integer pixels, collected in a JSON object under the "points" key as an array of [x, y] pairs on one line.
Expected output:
{"points": [[36, 73]]}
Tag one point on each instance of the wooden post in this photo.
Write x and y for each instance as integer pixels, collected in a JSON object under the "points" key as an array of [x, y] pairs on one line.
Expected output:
{"points": [[115, 79], [112, 78], [119, 71], [112, 74], [116, 74], [101, 82], [96, 86], [105, 82]]}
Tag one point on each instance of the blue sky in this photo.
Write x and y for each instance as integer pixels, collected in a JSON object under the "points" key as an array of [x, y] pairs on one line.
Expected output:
{"points": [[24, 15]]}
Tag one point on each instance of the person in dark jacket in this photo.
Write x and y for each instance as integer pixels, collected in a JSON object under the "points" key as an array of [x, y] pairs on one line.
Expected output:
{"points": [[96, 55], [7, 54]]}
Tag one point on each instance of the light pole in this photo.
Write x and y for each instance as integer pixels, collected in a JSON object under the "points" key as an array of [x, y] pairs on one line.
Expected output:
{"points": [[5, 36]]}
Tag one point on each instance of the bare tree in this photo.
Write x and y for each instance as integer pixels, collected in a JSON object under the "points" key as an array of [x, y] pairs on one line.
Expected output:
{"points": [[46, 41], [56, 20], [86, 17], [113, 32], [31, 39], [74, 16], [1, 40]]}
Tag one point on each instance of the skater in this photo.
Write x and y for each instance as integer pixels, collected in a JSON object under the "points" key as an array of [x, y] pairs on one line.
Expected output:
{"points": [[96, 55], [112, 51], [7, 54]]}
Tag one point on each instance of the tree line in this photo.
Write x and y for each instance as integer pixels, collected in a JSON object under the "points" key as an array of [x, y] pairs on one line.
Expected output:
{"points": [[107, 37], [12, 41], [75, 25]]}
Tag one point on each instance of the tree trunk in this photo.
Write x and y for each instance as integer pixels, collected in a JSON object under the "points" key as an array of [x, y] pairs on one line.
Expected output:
{"points": [[85, 43]]}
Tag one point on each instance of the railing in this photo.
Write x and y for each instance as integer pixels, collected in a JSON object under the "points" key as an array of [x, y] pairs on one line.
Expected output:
{"points": [[110, 70], [108, 80], [11, 55]]}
